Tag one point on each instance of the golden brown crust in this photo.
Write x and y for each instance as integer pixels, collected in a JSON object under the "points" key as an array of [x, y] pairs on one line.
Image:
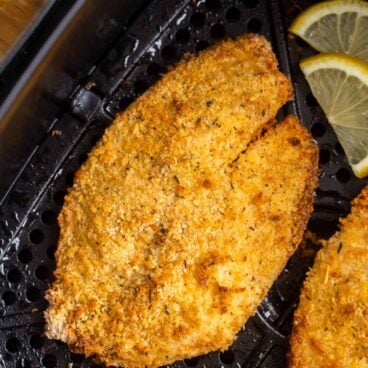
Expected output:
{"points": [[331, 322], [170, 236]]}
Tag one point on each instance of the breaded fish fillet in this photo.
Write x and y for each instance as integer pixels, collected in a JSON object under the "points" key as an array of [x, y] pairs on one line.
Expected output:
{"points": [[172, 235], [331, 322]]}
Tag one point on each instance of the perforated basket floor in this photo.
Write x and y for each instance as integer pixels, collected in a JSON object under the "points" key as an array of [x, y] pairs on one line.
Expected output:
{"points": [[158, 37]]}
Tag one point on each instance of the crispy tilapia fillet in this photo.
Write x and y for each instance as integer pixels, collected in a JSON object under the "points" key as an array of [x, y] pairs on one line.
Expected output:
{"points": [[172, 234], [331, 322]]}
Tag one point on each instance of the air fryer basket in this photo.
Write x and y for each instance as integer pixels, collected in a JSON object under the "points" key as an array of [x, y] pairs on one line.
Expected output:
{"points": [[159, 36]]}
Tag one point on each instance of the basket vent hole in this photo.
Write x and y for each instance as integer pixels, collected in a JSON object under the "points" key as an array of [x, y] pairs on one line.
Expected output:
{"points": [[217, 31], [254, 25], [233, 15], [339, 149], [192, 362], [318, 130], [33, 294], [311, 100], [69, 179], [76, 358], [82, 158], [213, 4], [12, 345], [227, 357], [59, 198], [324, 157], [49, 361], [36, 341], [5, 357], [198, 20], [301, 43], [36, 236], [153, 69], [23, 363], [140, 86], [14, 276], [343, 175], [51, 253], [168, 53], [42, 272], [25, 255], [113, 55], [251, 3], [95, 139], [125, 102], [182, 36], [9, 297], [201, 45], [48, 217]]}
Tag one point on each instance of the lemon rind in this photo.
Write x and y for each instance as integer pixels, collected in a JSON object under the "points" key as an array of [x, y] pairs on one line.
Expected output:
{"points": [[349, 64], [314, 13], [361, 168], [352, 66]]}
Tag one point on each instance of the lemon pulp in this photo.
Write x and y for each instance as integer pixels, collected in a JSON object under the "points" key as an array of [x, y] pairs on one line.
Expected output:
{"points": [[339, 26], [340, 84]]}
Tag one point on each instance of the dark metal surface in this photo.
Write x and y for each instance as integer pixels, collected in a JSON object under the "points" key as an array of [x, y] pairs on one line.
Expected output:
{"points": [[36, 85], [163, 32]]}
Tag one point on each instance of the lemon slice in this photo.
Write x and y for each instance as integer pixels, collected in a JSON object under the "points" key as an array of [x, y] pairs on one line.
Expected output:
{"points": [[340, 84], [335, 26]]}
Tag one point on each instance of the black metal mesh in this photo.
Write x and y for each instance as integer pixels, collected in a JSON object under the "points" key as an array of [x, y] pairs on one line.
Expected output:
{"points": [[28, 227]]}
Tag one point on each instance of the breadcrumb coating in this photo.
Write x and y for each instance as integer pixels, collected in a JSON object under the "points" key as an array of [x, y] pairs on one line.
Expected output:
{"points": [[331, 322], [184, 214]]}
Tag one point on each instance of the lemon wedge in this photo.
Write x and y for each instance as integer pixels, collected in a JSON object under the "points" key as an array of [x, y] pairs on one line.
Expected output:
{"points": [[335, 26], [340, 84]]}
